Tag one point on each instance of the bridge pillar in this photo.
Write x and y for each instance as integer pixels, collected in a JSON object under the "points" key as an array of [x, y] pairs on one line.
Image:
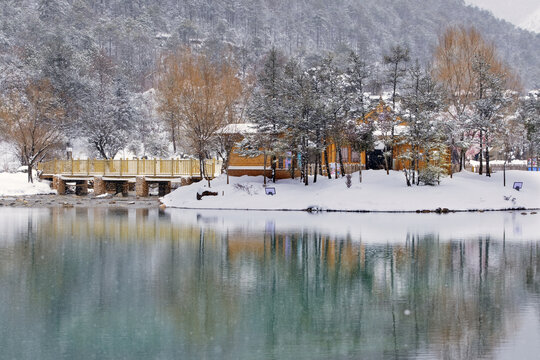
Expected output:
{"points": [[124, 188], [81, 188], [141, 186], [59, 185], [164, 188], [186, 181], [100, 186]]}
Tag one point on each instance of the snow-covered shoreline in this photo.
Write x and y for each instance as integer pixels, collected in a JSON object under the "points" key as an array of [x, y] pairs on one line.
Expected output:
{"points": [[16, 184], [378, 192]]}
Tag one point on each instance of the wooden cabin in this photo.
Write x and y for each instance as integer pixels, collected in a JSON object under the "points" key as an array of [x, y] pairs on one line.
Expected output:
{"points": [[242, 165]]}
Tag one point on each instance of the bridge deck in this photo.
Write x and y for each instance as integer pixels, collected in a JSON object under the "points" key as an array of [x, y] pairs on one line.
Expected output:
{"points": [[158, 169]]}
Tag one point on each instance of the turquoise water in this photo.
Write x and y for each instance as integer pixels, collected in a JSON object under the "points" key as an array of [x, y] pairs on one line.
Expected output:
{"points": [[144, 284]]}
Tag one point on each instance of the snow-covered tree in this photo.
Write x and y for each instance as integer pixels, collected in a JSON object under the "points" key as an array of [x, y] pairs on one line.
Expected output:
{"points": [[266, 111], [32, 120], [205, 93], [488, 107], [396, 69], [424, 137], [337, 103], [107, 116], [529, 113]]}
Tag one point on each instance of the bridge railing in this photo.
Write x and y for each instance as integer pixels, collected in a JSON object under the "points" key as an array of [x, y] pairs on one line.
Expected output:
{"points": [[136, 167]]}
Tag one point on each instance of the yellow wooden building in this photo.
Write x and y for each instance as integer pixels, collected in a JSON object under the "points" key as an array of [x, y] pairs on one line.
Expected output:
{"points": [[241, 165]]}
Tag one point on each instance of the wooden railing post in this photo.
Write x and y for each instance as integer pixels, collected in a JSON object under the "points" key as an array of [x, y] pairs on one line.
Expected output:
{"points": [[155, 161], [87, 166], [121, 167], [137, 166], [72, 166], [172, 167], [54, 165]]}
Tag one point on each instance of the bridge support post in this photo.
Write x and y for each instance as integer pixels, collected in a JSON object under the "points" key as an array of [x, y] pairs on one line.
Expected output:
{"points": [[141, 186], [164, 188], [100, 187], [185, 181], [81, 188], [125, 189], [59, 185]]}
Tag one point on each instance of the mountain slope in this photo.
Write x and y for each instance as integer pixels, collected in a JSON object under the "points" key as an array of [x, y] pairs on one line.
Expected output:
{"points": [[134, 32]]}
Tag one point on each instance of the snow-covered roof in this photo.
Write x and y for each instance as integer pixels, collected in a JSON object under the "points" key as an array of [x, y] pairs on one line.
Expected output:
{"points": [[244, 128], [398, 130]]}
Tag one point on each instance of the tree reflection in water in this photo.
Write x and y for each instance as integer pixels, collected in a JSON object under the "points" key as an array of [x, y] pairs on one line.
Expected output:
{"points": [[134, 283]]}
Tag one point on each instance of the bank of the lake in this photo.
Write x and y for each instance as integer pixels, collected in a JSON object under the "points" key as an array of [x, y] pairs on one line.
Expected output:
{"points": [[465, 191], [87, 201]]}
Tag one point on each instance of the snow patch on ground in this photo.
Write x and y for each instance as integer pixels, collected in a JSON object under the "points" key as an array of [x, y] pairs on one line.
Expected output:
{"points": [[16, 184], [377, 192]]}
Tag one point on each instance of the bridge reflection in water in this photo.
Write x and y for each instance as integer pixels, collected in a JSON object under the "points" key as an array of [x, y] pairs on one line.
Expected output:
{"points": [[114, 283]]}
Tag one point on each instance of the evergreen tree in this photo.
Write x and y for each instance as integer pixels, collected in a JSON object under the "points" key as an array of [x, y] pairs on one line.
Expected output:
{"points": [[267, 112], [425, 134], [395, 61]]}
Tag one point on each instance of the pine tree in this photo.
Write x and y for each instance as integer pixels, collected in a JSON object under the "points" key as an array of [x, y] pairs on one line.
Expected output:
{"points": [[395, 61], [267, 111], [421, 103]]}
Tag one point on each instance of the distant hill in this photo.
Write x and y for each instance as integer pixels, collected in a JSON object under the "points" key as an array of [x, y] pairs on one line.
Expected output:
{"points": [[134, 32], [532, 22]]}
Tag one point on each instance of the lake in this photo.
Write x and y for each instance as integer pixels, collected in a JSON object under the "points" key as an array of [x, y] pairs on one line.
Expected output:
{"points": [[102, 283]]}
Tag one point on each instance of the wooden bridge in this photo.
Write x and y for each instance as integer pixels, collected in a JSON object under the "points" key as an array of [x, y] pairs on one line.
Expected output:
{"points": [[115, 176]]}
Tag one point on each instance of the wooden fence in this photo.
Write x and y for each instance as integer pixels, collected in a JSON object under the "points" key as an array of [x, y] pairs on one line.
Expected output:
{"points": [[349, 168], [497, 167], [127, 168]]}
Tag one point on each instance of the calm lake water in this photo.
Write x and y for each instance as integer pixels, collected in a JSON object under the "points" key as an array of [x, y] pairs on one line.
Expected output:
{"points": [[144, 284]]}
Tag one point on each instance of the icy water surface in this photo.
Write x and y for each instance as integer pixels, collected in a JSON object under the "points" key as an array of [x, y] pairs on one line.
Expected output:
{"points": [[143, 284]]}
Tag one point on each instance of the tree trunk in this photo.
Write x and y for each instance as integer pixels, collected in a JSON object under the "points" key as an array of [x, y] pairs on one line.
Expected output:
{"points": [[504, 173], [481, 169], [273, 168], [315, 168], [306, 176], [386, 166], [415, 169], [342, 167], [488, 171], [293, 164], [264, 169], [461, 154], [326, 162], [173, 136], [30, 178], [320, 163]]}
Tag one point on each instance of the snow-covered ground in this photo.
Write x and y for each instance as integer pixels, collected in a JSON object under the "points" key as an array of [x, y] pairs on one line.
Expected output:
{"points": [[16, 184], [377, 192]]}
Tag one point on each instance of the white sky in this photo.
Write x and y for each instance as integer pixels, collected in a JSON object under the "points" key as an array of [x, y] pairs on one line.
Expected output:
{"points": [[514, 11]]}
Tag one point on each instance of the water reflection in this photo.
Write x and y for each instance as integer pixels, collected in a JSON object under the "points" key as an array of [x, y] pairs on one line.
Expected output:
{"points": [[117, 283]]}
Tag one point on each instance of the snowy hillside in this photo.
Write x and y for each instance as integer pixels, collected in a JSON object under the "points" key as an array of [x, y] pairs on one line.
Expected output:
{"points": [[135, 32], [532, 22]]}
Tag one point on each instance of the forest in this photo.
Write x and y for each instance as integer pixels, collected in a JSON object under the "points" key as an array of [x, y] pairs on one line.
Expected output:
{"points": [[105, 75]]}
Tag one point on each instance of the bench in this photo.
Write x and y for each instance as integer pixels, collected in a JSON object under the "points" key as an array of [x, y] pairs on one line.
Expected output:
{"points": [[518, 185], [270, 191]]}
